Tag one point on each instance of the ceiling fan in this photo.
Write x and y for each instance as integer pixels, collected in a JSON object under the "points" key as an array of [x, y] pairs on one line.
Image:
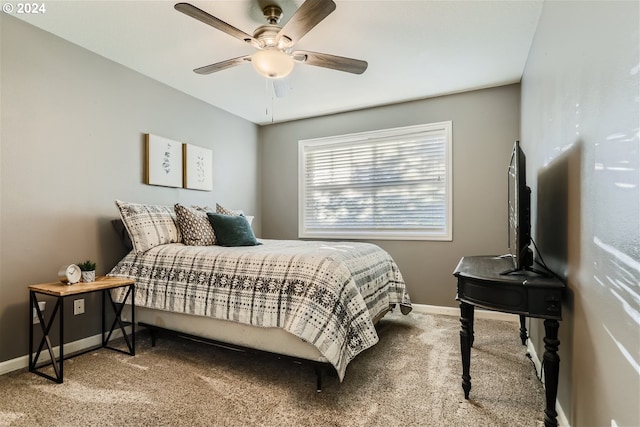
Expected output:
{"points": [[275, 56]]}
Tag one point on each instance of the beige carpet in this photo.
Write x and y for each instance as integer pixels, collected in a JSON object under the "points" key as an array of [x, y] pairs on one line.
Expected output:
{"points": [[410, 378]]}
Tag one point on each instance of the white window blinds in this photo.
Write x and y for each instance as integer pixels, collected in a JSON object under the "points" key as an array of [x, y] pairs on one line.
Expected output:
{"points": [[389, 184]]}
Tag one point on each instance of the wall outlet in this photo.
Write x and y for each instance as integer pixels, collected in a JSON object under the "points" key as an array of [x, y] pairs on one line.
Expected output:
{"points": [[42, 305], [78, 306]]}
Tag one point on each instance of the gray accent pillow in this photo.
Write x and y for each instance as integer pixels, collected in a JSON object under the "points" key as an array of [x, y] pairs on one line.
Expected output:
{"points": [[195, 226], [232, 230]]}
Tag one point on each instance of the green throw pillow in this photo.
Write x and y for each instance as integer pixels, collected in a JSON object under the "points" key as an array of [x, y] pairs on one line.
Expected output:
{"points": [[232, 230]]}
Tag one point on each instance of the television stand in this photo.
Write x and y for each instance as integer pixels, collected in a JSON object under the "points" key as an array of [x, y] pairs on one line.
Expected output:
{"points": [[523, 270], [481, 284]]}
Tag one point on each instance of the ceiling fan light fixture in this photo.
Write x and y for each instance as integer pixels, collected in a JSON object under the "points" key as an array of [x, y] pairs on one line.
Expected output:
{"points": [[272, 63]]}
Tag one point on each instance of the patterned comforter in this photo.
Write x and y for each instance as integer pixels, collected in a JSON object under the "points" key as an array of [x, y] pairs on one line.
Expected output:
{"points": [[325, 293]]}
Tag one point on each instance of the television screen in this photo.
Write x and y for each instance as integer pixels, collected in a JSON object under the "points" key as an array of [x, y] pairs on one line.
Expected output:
{"points": [[519, 211]]}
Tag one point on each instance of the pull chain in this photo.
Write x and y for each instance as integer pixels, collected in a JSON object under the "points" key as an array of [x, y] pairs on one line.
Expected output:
{"points": [[266, 93], [269, 95]]}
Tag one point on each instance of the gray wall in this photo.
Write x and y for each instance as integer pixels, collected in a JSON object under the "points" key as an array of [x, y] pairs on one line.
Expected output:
{"points": [[580, 124], [485, 126], [72, 142]]}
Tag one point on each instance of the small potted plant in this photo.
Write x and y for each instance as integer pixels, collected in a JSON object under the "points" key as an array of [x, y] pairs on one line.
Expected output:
{"points": [[88, 269]]}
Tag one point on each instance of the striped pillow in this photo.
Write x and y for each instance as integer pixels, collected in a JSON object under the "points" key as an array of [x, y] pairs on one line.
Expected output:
{"points": [[149, 225]]}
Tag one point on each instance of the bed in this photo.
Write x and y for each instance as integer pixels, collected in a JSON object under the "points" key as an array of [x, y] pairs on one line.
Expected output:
{"points": [[311, 300]]}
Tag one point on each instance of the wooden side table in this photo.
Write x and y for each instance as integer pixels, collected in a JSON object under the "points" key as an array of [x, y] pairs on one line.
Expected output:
{"points": [[62, 291]]}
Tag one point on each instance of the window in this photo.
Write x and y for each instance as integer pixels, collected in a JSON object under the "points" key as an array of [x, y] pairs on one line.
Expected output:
{"points": [[387, 184]]}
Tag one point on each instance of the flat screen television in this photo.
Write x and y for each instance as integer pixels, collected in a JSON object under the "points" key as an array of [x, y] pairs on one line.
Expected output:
{"points": [[519, 212]]}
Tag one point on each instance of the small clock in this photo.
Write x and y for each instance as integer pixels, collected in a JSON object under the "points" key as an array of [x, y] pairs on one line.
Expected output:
{"points": [[69, 274]]}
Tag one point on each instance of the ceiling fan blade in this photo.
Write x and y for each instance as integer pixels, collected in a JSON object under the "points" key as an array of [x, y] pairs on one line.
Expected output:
{"points": [[202, 16], [305, 18], [350, 65], [281, 87], [219, 66]]}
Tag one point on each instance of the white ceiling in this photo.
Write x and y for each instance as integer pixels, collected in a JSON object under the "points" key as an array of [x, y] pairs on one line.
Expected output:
{"points": [[415, 49]]}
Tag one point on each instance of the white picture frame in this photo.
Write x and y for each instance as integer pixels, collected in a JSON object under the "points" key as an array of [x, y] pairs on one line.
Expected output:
{"points": [[198, 167], [163, 161]]}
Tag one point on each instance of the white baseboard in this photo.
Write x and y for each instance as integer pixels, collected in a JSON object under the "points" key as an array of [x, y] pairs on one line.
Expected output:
{"points": [[562, 417], [69, 348], [478, 313]]}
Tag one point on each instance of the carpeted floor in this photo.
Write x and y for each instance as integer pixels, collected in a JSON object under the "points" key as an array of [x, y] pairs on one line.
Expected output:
{"points": [[410, 378]]}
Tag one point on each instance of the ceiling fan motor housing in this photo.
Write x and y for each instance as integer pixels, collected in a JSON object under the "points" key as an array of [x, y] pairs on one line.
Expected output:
{"points": [[273, 14], [267, 36]]}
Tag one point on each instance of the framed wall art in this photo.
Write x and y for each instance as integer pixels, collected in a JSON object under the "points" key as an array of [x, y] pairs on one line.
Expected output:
{"points": [[198, 167], [163, 161]]}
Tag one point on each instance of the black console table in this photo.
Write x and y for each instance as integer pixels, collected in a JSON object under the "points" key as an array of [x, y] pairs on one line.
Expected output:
{"points": [[482, 283]]}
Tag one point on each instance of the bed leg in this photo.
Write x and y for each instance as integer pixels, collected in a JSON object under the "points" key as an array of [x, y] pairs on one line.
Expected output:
{"points": [[318, 379], [153, 334]]}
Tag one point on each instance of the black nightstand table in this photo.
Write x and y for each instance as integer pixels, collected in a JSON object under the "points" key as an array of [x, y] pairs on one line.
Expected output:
{"points": [[481, 283]]}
